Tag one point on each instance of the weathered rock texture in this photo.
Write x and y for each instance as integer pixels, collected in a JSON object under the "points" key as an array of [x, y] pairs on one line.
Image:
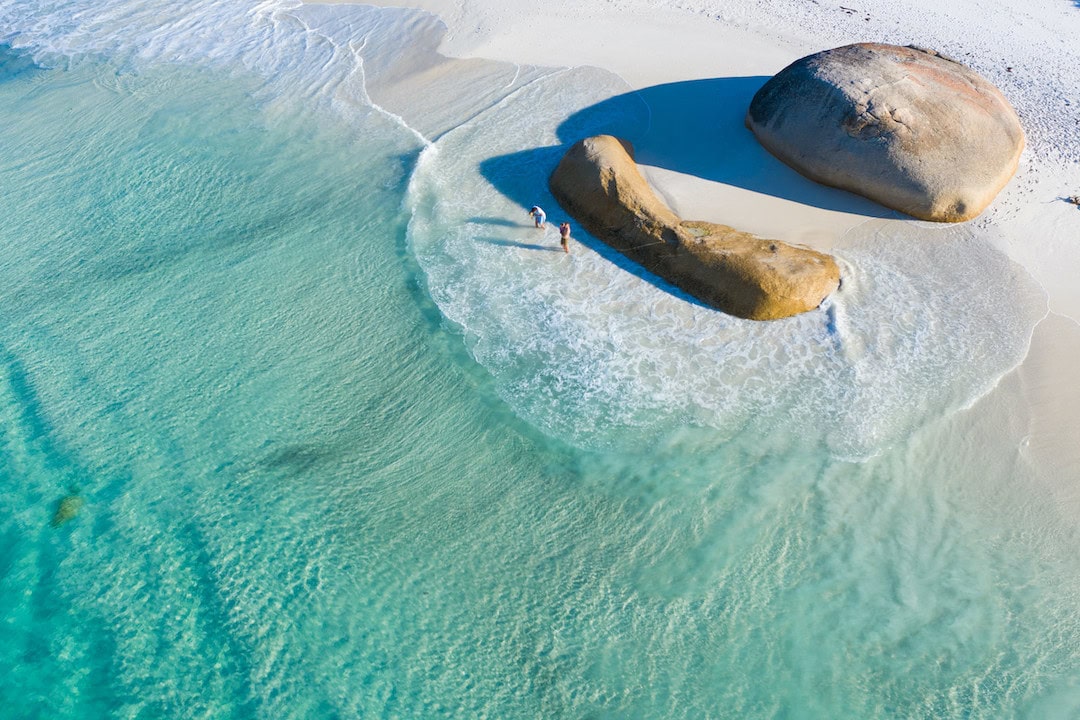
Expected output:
{"points": [[903, 126], [599, 184]]}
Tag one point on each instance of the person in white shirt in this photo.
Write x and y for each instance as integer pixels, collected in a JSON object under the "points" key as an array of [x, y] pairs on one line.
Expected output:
{"points": [[538, 215]]}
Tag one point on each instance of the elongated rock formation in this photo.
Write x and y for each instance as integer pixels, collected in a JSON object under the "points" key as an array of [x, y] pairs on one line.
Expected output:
{"points": [[903, 126], [599, 184]]}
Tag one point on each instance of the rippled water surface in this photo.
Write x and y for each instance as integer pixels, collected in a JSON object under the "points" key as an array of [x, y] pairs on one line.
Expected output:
{"points": [[300, 417]]}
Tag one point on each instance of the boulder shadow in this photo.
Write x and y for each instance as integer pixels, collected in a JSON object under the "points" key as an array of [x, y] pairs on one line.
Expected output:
{"points": [[696, 127]]}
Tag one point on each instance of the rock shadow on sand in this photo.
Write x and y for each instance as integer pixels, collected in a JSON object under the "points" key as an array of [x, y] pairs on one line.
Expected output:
{"points": [[694, 127]]}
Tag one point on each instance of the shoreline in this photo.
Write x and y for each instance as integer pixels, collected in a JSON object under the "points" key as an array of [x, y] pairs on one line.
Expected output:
{"points": [[694, 43], [651, 47]]}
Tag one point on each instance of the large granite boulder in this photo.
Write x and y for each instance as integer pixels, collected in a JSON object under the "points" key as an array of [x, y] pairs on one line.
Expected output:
{"points": [[599, 184], [906, 127]]}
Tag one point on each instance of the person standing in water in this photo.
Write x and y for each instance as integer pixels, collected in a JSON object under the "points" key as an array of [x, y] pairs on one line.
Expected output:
{"points": [[538, 215], [564, 236]]}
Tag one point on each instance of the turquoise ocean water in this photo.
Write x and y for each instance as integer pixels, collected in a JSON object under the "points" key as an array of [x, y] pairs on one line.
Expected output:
{"points": [[352, 440]]}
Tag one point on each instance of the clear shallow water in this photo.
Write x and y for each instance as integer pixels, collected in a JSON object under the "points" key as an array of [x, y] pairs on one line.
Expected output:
{"points": [[349, 447]]}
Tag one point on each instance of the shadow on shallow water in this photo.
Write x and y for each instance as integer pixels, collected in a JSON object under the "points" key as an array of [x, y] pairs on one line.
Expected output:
{"points": [[510, 243]]}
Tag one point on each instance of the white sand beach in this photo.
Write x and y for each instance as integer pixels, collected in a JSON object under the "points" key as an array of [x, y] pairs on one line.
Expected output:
{"points": [[1031, 54]]}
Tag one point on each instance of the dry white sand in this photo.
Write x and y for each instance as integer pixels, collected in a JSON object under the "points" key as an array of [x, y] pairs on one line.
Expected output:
{"points": [[1032, 53]]}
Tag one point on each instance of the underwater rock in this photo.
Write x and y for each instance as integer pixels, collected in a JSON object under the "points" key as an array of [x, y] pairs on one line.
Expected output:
{"points": [[67, 508]]}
